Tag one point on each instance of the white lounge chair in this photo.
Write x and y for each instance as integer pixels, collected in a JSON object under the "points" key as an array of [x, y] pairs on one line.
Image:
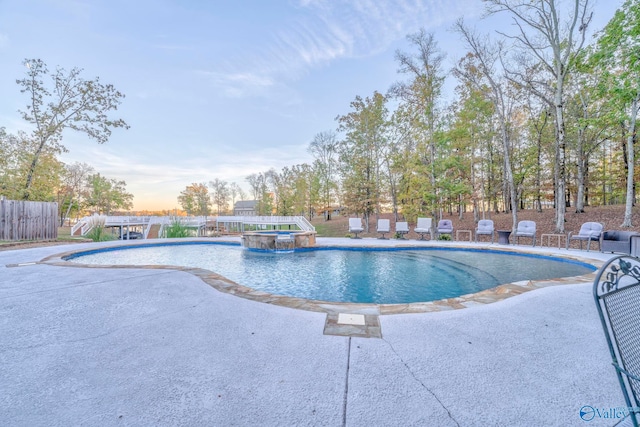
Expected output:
{"points": [[384, 227], [526, 229], [355, 226], [589, 231], [423, 227], [485, 227], [445, 226], [402, 228]]}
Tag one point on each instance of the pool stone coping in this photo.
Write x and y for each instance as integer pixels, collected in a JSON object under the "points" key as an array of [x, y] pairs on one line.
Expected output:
{"points": [[371, 328]]}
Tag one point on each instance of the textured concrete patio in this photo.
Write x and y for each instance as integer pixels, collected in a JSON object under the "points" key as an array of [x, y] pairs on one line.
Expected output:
{"points": [[105, 346]]}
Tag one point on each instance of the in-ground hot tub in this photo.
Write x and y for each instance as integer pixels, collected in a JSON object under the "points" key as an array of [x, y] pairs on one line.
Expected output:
{"points": [[278, 239]]}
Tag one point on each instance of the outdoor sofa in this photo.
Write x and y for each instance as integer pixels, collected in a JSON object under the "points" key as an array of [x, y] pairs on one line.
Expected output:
{"points": [[617, 241]]}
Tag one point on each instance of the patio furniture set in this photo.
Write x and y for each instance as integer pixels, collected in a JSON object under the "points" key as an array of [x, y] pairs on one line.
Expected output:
{"points": [[619, 241], [423, 226], [627, 242]]}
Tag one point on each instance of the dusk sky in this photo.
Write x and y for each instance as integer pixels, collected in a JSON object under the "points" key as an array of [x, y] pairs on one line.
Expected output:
{"points": [[222, 89]]}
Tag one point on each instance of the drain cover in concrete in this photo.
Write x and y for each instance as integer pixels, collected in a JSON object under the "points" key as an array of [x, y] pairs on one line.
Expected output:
{"points": [[353, 325], [351, 319]]}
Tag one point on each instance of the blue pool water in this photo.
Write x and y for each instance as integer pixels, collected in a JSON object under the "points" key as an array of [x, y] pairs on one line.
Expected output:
{"points": [[381, 276]]}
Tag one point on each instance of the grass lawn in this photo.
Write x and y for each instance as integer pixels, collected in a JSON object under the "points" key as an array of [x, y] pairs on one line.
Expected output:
{"points": [[64, 236]]}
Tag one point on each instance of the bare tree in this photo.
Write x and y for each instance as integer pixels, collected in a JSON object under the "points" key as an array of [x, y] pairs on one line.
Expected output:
{"points": [[219, 195], [72, 103], [254, 181], [73, 182], [260, 191], [487, 57], [546, 40], [236, 193]]}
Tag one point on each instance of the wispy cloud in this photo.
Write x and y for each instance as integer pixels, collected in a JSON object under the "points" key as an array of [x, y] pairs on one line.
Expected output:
{"points": [[239, 84], [157, 185], [232, 165], [324, 31]]}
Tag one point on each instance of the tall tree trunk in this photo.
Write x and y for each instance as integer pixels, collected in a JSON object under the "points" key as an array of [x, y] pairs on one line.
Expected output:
{"points": [[474, 199], [561, 153], [509, 173], [491, 187], [586, 179], [628, 209], [582, 161], [66, 215], [538, 174], [580, 176], [32, 170], [538, 180]]}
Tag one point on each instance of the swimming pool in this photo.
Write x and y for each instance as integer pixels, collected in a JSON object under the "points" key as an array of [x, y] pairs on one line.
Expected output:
{"points": [[356, 275]]}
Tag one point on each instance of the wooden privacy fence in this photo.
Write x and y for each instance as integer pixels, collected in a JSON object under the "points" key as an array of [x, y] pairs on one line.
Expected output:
{"points": [[21, 220]]}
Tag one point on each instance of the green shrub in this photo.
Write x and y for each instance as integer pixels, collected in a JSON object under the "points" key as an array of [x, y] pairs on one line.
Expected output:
{"points": [[98, 234], [177, 229], [444, 237]]}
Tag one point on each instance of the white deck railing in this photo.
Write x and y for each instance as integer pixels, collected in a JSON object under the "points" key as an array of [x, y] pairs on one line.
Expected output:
{"points": [[304, 224], [85, 225], [77, 226], [299, 221]]}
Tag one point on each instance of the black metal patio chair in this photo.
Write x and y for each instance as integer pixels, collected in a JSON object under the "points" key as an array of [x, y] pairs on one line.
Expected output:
{"points": [[616, 290]]}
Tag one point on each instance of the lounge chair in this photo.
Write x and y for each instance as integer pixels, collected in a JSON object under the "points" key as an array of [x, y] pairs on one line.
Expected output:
{"points": [[355, 226], [423, 227], [402, 228], [384, 227], [485, 228], [589, 231], [616, 291], [526, 229], [445, 226]]}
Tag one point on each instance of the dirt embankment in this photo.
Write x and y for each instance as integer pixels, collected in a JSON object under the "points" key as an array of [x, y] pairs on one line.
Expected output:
{"points": [[610, 216]]}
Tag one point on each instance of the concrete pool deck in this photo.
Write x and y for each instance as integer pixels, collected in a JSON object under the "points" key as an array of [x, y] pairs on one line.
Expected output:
{"points": [[120, 346]]}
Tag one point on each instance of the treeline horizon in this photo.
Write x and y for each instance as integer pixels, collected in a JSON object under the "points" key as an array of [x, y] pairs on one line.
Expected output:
{"points": [[540, 118]]}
